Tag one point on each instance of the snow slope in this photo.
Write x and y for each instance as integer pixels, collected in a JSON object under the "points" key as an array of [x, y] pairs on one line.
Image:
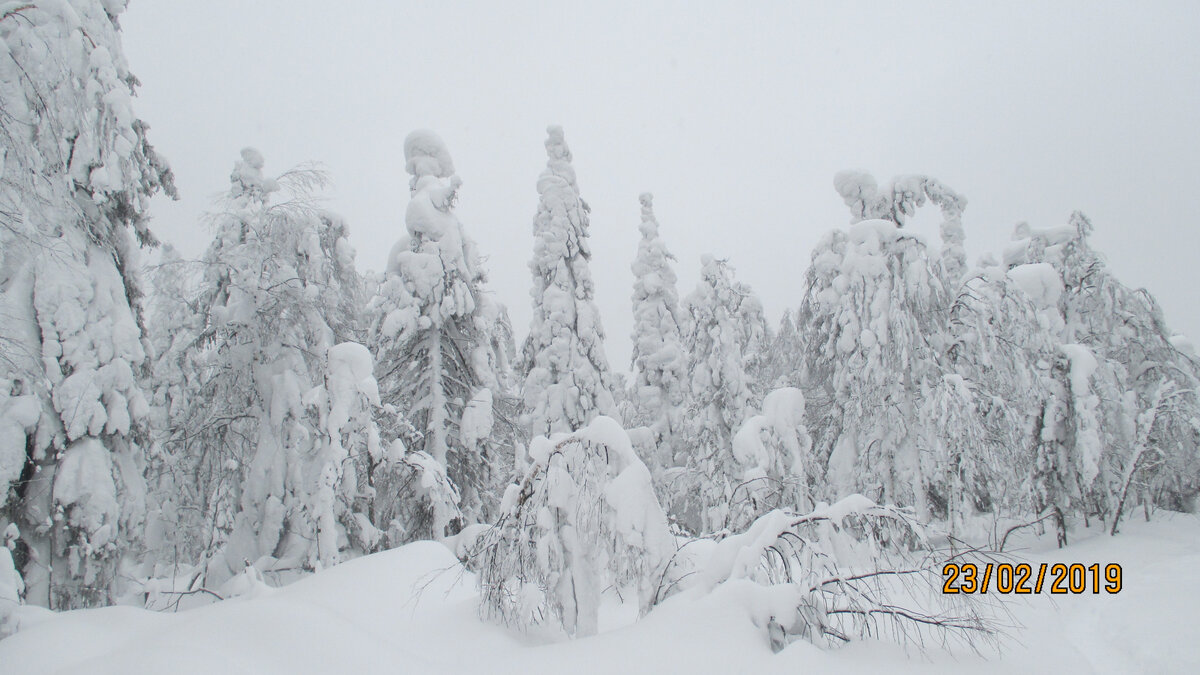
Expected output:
{"points": [[412, 609]]}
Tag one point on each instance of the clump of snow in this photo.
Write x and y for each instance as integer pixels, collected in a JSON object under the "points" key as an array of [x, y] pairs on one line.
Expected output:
{"points": [[247, 176], [1040, 281], [1033, 245], [425, 154], [1183, 344], [1088, 443], [1083, 364], [477, 418], [349, 374], [84, 486], [19, 415], [12, 587]]}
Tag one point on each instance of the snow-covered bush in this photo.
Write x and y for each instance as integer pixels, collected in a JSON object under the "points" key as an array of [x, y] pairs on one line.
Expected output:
{"points": [[583, 518], [774, 452], [847, 571]]}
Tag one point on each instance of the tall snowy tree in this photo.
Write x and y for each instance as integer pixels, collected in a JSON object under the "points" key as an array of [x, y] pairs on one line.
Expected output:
{"points": [[76, 174], [875, 311], [1129, 393], [174, 324], [279, 289], [441, 340], [347, 454], [659, 362], [981, 415], [567, 377], [720, 396]]}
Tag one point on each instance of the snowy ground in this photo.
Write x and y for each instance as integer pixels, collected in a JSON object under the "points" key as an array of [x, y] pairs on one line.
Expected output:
{"points": [[367, 616]]}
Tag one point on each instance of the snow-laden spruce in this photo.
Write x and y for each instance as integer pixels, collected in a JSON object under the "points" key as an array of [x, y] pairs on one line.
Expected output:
{"points": [[784, 356], [567, 378], [76, 174], [440, 340], [659, 388], [724, 330]]}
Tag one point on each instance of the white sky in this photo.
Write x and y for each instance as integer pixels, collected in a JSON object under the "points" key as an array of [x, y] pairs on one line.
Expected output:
{"points": [[735, 115]]}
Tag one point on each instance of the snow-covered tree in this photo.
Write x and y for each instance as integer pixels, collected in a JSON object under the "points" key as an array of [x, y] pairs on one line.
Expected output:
{"points": [[874, 309], [1110, 398], [567, 378], [721, 331], [785, 355], [76, 174], [442, 343], [347, 443], [774, 452], [979, 416], [1133, 392], [174, 324], [659, 362], [279, 289], [583, 518]]}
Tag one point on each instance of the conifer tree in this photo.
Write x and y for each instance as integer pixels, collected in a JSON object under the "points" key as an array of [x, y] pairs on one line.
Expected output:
{"points": [[659, 361], [76, 174], [441, 341], [567, 377], [720, 396]]}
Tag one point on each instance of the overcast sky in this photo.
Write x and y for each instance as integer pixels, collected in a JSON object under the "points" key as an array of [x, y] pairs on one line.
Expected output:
{"points": [[735, 115]]}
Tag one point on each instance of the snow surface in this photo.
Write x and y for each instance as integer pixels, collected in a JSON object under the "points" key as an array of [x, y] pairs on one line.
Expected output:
{"points": [[413, 609]]}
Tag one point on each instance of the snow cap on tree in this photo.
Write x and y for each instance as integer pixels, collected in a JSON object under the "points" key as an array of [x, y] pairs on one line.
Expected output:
{"points": [[425, 154], [247, 177], [649, 226]]}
